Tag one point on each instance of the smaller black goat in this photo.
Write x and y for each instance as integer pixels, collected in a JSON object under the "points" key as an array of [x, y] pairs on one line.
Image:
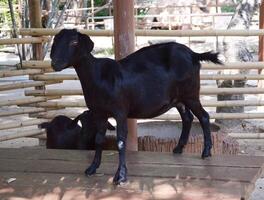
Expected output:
{"points": [[65, 133]]}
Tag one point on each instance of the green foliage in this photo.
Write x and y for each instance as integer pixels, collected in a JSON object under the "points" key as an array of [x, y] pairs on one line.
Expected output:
{"points": [[226, 9], [5, 16]]}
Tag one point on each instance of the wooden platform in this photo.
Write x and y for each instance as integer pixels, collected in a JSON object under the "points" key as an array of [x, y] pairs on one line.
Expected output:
{"points": [[58, 174]]}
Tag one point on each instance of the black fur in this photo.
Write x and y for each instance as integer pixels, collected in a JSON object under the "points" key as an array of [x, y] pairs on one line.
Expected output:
{"points": [[145, 84]]}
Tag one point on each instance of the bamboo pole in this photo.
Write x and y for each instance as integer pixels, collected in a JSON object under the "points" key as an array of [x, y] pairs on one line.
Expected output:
{"points": [[21, 124], [231, 77], [72, 114], [203, 91], [8, 73], [20, 111], [211, 103], [152, 33], [22, 101], [214, 91], [34, 64], [52, 77], [29, 40], [232, 103], [53, 92], [216, 116], [233, 65], [62, 104], [19, 134], [26, 84], [49, 77]]}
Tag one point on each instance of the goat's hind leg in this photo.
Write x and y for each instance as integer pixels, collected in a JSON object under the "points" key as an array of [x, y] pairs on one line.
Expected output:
{"points": [[187, 119], [99, 140], [204, 119]]}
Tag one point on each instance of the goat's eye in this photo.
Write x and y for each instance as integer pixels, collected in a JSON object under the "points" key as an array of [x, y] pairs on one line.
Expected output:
{"points": [[73, 43]]}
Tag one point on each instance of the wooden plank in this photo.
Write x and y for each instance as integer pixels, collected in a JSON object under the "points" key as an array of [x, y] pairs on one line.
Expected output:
{"points": [[133, 157], [44, 174], [71, 186], [202, 169], [236, 174]]}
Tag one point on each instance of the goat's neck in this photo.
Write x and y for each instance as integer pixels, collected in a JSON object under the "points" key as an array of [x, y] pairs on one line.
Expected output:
{"points": [[85, 70]]}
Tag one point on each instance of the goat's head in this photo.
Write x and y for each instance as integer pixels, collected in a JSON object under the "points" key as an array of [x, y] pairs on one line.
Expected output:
{"points": [[67, 48]]}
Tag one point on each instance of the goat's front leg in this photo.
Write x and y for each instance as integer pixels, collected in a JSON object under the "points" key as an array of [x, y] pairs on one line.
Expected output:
{"points": [[99, 140], [204, 119], [187, 119], [121, 174]]}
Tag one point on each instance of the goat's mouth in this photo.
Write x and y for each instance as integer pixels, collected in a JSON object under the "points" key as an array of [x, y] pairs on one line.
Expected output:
{"points": [[58, 66]]}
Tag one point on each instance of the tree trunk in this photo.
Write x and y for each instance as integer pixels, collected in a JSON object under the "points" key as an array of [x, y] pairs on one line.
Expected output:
{"points": [[236, 49]]}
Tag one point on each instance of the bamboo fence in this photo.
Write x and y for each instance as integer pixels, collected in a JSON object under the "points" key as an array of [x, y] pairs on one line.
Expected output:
{"points": [[42, 103]]}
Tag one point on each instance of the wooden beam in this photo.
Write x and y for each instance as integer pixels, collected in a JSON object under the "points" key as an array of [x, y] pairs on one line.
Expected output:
{"points": [[124, 37]]}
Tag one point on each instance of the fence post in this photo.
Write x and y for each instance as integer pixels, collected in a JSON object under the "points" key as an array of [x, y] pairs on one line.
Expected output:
{"points": [[35, 22], [124, 37], [261, 49]]}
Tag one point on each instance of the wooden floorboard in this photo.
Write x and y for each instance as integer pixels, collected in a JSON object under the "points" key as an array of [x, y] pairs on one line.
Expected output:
{"points": [[58, 174]]}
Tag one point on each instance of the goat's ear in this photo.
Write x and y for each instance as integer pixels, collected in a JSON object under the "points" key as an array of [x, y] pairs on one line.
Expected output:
{"points": [[44, 125], [110, 126], [85, 41]]}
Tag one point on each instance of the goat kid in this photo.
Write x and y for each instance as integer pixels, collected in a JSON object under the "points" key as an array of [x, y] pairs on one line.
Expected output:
{"points": [[145, 84], [65, 133]]}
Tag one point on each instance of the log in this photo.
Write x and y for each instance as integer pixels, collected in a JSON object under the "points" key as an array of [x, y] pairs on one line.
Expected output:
{"points": [[8, 73], [28, 40], [20, 134], [153, 33], [21, 124], [20, 111], [204, 91]]}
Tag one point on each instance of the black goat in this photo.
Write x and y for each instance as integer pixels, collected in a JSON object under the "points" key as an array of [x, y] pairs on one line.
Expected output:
{"points": [[145, 84], [65, 133]]}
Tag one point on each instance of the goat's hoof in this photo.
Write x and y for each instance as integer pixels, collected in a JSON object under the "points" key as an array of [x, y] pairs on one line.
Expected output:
{"points": [[120, 176], [90, 170], [206, 153], [178, 150]]}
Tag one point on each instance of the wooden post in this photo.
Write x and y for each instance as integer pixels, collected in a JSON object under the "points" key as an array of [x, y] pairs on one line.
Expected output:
{"points": [[124, 38], [261, 26], [35, 22], [261, 49]]}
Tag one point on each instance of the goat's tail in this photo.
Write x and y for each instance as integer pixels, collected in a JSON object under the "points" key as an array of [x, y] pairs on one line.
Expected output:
{"points": [[207, 56]]}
